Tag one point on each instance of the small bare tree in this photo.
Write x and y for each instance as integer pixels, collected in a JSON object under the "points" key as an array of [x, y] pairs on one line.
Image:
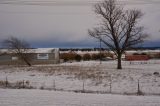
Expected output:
{"points": [[18, 47], [118, 29]]}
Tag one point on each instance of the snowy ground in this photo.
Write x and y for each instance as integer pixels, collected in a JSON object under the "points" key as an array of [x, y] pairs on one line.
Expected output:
{"points": [[15, 97], [89, 76], [81, 76]]}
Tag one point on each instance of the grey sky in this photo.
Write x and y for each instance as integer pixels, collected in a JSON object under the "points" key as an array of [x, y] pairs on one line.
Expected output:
{"points": [[64, 23]]}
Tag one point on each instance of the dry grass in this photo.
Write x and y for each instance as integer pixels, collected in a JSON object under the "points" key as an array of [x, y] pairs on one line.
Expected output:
{"points": [[101, 76]]}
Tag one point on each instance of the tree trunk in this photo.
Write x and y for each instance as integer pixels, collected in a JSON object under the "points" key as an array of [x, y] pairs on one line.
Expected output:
{"points": [[119, 65], [28, 63], [24, 58]]}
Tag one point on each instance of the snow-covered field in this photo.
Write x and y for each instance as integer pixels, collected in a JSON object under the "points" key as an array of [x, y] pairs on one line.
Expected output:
{"points": [[15, 97], [88, 76]]}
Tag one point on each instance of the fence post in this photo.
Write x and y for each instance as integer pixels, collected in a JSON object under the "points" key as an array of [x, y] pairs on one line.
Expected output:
{"points": [[6, 81], [83, 79], [110, 84], [23, 84], [83, 89], [139, 92], [54, 85]]}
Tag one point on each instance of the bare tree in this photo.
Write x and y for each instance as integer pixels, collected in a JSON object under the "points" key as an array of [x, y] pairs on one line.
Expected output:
{"points": [[118, 29], [18, 47]]}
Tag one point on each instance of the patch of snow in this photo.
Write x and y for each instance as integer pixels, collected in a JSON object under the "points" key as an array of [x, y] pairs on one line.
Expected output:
{"points": [[9, 97]]}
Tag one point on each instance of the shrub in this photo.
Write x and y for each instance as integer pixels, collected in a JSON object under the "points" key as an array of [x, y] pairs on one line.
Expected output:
{"points": [[78, 57], [135, 53], [143, 53], [67, 56], [86, 57], [94, 57], [98, 56]]}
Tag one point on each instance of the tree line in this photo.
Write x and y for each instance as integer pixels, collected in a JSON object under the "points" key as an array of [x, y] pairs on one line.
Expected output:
{"points": [[85, 57]]}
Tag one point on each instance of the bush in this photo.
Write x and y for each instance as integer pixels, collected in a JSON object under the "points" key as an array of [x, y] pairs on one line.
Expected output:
{"points": [[78, 57], [143, 53], [86, 57], [68, 56], [94, 57], [98, 56], [135, 53]]}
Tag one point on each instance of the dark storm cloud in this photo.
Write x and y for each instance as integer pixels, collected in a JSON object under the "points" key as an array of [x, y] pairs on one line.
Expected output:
{"points": [[66, 44]]}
